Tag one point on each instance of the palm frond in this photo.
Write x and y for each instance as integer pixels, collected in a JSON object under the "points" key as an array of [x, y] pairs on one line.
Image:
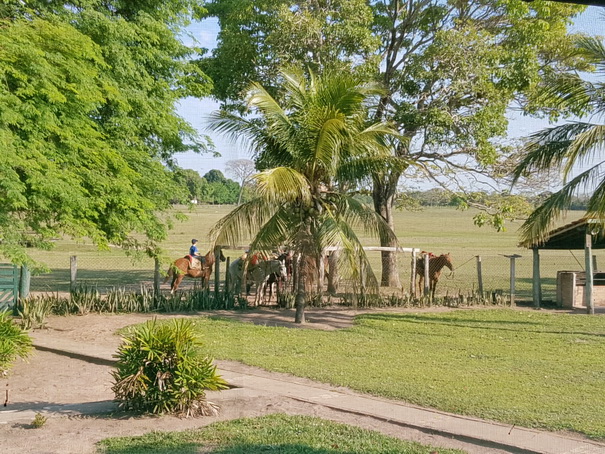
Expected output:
{"points": [[282, 185], [358, 215], [241, 224], [549, 148], [584, 146], [534, 230], [279, 230]]}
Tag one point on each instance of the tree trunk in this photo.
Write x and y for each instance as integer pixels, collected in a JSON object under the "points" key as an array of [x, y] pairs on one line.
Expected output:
{"points": [[333, 278], [301, 295], [384, 196]]}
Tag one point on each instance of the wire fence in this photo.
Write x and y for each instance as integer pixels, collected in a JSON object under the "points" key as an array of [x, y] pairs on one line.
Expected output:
{"points": [[110, 270]]}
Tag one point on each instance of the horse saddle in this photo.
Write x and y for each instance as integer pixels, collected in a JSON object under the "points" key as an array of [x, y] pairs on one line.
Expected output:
{"points": [[196, 263]]}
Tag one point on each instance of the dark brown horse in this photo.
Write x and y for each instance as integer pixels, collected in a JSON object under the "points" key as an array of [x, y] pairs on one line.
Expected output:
{"points": [[182, 267], [436, 264]]}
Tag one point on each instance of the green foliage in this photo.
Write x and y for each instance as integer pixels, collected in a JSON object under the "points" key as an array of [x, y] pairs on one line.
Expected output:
{"points": [[272, 433], [39, 420], [89, 125], [14, 342], [569, 145], [160, 370], [34, 310], [258, 38]]}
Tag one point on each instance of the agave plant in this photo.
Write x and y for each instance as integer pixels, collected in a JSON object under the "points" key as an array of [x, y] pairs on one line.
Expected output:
{"points": [[14, 342]]}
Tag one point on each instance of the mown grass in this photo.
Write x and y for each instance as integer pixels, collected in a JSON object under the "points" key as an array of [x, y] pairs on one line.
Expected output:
{"points": [[528, 368], [275, 433]]}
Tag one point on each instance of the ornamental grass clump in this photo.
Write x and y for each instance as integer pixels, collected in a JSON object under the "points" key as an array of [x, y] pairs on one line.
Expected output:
{"points": [[160, 369]]}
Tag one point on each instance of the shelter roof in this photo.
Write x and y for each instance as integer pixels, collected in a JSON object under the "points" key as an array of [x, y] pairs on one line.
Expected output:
{"points": [[573, 236]]}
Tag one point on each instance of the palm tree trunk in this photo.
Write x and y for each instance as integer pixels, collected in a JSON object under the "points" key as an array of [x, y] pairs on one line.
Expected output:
{"points": [[301, 294]]}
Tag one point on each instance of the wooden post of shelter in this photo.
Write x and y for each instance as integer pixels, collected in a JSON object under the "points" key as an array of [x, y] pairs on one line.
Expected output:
{"points": [[588, 300], [427, 262], [479, 275], [536, 281], [322, 272], [73, 272], [512, 276]]}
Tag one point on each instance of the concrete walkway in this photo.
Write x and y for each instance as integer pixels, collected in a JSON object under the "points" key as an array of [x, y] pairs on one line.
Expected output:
{"points": [[251, 382]]}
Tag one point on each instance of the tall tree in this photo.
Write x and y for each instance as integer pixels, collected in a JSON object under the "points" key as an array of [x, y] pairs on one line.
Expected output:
{"points": [[242, 169], [319, 135], [569, 146], [451, 70], [88, 122]]}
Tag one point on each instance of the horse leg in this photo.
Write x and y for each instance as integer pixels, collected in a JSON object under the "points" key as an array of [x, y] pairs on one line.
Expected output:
{"points": [[176, 280]]}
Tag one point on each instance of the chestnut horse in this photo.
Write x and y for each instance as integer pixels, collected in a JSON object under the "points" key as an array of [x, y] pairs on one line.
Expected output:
{"points": [[436, 264], [182, 267]]}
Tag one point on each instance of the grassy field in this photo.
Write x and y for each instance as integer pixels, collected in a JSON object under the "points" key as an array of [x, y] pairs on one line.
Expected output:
{"points": [[438, 230], [275, 433], [528, 368]]}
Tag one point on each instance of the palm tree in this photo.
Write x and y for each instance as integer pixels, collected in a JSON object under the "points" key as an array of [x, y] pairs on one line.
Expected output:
{"points": [[569, 145], [315, 145]]}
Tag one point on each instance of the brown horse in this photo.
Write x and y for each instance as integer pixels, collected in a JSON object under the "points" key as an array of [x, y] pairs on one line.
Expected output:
{"points": [[436, 264], [182, 267]]}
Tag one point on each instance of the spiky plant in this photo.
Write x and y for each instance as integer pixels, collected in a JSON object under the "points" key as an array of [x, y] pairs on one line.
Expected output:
{"points": [[161, 370]]}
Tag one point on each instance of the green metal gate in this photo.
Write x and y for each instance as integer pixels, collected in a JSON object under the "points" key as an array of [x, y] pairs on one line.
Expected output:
{"points": [[9, 285]]}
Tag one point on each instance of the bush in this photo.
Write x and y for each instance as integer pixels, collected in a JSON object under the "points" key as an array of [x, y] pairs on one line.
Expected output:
{"points": [[160, 370], [14, 342]]}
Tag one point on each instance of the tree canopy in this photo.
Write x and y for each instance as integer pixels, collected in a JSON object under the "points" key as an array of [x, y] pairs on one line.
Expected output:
{"points": [[88, 123], [321, 135], [451, 70]]}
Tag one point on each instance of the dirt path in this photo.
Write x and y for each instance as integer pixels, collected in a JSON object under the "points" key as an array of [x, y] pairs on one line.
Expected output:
{"points": [[74, 390]]}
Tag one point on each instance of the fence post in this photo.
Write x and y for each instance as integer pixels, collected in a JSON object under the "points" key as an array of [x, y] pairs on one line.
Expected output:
{"points": [[73, 272], [536, 284], [589, 277], [479, 275], [427, 262], [413, 276], [156, 278], [24, 281], [512, 276]]}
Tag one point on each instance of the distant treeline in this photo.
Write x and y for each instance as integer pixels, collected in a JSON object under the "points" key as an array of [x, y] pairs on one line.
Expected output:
{"points": [[212, 188], [441, 197], [215, 189]]}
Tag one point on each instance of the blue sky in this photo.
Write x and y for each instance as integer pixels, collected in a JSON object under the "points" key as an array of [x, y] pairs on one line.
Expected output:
{"points": [[195, 111]]}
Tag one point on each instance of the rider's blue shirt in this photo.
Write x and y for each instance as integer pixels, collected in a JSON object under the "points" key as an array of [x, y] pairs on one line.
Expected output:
{"points": [[193, 250]]}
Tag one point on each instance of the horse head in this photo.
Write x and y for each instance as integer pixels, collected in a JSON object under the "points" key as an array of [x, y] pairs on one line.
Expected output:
{"points": [[448, 261]]}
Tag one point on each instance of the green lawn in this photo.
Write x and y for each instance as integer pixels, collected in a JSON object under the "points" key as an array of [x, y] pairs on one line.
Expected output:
{"points": [[277, 433], [529, 368], [438, 230]]}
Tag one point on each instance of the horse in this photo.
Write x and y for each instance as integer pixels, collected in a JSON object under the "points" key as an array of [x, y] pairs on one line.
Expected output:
{"points": [[257, 274], [275, 278], [182, 267], [436, 264]]}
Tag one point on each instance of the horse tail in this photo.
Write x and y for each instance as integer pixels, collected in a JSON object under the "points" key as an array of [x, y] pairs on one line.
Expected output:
{"points": [[168, 274]]}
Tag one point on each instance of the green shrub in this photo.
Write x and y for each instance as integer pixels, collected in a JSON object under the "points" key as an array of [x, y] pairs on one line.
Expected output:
{"points": [[14, 342], [160, 370], [34, 310]]}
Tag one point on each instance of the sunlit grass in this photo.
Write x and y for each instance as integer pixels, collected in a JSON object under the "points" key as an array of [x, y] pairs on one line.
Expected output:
{"points": [[437, 230], [275, 433], [527, 368]]}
